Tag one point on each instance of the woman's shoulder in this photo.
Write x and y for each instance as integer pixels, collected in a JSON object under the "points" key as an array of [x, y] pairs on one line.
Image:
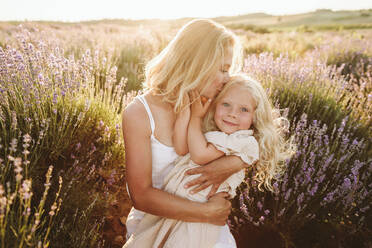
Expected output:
{"points": [[134, 116], [133, 109]]}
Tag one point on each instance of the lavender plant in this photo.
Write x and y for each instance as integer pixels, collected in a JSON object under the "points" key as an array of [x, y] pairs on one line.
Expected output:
{"points": [[329, 178], [61, 105], [352, 57], [23, 224], [309, 86], [325, 180]]}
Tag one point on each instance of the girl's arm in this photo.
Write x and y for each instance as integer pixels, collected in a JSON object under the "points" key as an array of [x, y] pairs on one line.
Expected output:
{"points": [[180, 131], [136, 133], [201, 152]]}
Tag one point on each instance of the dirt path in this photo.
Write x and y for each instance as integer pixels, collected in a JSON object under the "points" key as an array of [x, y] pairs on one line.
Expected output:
{"points": [[119, 205], [114, 228]]}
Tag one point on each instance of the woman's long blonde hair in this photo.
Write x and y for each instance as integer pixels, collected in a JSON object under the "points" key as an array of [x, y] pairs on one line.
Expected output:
{"points": [[269, 130], [191, 60]]}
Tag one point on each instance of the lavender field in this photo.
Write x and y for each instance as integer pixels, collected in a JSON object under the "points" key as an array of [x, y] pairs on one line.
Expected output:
{"points": [[63, 87]]}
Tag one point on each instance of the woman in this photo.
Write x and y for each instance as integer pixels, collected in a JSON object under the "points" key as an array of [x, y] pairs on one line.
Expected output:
{"points": [[200, 58]]}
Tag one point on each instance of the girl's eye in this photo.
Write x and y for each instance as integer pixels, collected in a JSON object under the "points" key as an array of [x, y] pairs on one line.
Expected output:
{"points": [[244, 110], [225, 104]]}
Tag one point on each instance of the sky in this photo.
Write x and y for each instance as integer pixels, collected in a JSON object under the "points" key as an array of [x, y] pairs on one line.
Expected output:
{"points": [[81, 10]]}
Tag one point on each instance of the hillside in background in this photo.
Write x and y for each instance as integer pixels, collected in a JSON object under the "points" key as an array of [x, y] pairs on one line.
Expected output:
{"points": [[316, 18], [322, 19]]}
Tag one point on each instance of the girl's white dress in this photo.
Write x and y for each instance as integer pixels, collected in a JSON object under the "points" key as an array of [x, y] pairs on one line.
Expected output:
{"points": [[155, 231]]}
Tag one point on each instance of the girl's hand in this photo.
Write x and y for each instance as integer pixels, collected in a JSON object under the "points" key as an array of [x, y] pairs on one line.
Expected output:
{"points": [[219, 209], [198, 108], [214, 173]]}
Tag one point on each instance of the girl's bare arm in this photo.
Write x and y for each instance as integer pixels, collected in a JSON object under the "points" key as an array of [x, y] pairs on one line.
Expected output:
{"points": [[180, 132], [201, 152], [217, 171], [137, 142]]}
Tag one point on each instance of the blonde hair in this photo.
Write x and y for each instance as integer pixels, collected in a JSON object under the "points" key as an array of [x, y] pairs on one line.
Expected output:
{"points": [[269, 130], [190, 60]]}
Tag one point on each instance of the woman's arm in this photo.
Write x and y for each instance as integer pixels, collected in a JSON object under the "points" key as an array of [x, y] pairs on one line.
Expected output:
{"points": [[214, 173], [136, 133]]}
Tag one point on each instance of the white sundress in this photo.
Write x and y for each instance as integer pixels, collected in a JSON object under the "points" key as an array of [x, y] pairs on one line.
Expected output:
{"points": [[163, 157], [155, 231]]}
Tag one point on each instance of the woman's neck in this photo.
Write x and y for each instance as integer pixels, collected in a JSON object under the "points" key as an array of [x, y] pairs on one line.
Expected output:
{"points": [[158, 100]]}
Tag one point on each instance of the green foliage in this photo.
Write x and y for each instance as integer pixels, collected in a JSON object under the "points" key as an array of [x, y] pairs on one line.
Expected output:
{"points": [[318, 104], [340, 27], [249, 27], [99, 149], [130, 62], [304, 29], [75, 130], [22, 222]]}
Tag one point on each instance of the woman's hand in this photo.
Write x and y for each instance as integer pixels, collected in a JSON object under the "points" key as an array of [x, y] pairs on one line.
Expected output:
{"points": [[219, 209], [214, 173]]}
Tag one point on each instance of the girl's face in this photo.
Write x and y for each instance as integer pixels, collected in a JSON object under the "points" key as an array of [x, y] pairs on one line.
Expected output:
{"points": [[221, 77], [235, 110]]}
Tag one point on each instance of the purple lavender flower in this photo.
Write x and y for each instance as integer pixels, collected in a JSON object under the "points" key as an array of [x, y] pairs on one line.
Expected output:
{"points": [[259, 205], [300, 199], [347, 183]]}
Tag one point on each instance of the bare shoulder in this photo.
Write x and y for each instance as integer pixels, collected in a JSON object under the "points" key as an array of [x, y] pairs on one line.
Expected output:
{"points": [[133, 110], [134, 117]]}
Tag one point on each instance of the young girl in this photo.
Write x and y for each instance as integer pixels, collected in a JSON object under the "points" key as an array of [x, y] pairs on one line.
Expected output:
{"points": [[199, 58], [240, 122]]}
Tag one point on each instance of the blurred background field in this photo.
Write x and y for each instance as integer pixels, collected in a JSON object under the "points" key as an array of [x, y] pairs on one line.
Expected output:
{"points": [[64, 85]]}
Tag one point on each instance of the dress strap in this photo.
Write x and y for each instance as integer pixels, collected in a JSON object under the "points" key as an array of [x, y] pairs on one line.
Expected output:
{"points": [[144, 102]]}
